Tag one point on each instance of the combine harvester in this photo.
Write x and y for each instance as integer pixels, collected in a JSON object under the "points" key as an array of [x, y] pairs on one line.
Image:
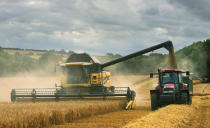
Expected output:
{"points": [[173, 87], [84, 78]]}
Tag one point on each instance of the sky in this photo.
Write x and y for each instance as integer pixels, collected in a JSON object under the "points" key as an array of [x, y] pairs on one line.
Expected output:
{"points": [[102, 26]]}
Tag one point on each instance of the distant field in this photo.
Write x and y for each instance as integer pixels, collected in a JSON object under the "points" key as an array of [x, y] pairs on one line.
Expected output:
{"points": [[12, 51], [35, 54], [31, 53]]}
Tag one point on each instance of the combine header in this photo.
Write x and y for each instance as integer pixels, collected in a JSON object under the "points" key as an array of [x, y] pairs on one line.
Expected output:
{"points": [[84, 78]]}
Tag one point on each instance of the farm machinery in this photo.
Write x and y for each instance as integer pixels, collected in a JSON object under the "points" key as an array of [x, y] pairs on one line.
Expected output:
{"points": [[85, 78], [173, 88]]}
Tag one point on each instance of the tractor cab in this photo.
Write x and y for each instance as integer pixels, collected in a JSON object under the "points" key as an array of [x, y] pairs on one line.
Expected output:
{"points": [[171, 80]]}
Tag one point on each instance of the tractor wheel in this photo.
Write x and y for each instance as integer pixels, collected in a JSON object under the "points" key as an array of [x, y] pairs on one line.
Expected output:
{"points": [[190, 100], [184, 98], [154, 101]]}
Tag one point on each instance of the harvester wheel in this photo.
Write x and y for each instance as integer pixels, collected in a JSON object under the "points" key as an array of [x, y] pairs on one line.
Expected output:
{"points": [[154, 101]]}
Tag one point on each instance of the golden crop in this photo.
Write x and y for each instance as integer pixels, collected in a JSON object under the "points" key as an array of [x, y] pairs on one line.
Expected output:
{"points": [[201, 89], [38, 115], [171, 116]]}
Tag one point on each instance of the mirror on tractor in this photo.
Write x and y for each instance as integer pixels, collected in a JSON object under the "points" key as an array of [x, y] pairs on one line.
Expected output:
{"points": [[151, 75], [187, 73]]}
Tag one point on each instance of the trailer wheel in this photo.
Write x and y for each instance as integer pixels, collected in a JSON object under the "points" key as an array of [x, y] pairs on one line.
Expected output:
{"points": [[154, 101]]}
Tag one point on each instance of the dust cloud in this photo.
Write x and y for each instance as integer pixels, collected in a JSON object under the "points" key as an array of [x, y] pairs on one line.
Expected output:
{"points": [[143, 90], [25, 80], [141, 84], [187, 65]]}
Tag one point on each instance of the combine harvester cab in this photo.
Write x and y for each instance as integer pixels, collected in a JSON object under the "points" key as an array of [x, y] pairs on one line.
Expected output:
{"points": [[84, 78], [173, 88]]}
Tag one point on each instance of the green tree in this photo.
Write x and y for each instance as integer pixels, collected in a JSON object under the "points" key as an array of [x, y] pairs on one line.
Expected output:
{"points": [[207, 50]]}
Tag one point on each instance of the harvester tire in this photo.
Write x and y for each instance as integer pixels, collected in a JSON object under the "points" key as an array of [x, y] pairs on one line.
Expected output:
{"points": [[154, 101]]}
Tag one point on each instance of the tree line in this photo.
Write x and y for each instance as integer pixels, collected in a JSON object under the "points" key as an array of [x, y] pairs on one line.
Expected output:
{"points": [[22, 63], [195, 58]]}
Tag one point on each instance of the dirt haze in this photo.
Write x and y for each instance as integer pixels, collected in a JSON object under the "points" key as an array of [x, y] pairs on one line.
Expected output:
{"points": [[27, 81]]}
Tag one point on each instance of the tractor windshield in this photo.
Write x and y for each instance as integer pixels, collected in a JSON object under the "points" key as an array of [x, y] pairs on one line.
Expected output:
{"points": [[170, 77], [77, 74]]}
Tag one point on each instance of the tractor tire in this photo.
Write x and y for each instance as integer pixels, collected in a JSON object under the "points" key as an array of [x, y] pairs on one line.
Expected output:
{"points": [[190, 100], [184, 98], [154, 101]]}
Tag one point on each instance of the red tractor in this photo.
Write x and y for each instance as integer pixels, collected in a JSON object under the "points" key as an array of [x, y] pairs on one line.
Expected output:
{"points": [[173, 88]]}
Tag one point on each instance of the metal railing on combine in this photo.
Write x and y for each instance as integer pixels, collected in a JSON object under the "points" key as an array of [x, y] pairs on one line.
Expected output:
{"points": [[57, 93], [32, 93]]}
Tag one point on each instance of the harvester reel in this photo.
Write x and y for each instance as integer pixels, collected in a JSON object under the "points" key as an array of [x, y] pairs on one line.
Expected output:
{"points": [[57, 94]]}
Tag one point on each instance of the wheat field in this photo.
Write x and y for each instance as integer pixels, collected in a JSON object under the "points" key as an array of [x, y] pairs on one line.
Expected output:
{"points": [[179, 116], [35, 115], [171, 116], [83, 113], [38, 115], [201, 89]]}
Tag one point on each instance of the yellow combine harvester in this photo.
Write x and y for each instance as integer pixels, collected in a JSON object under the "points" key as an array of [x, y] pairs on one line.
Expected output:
{"points": [[84, 78]]}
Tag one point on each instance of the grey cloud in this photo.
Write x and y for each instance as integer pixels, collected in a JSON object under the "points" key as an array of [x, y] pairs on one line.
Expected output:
{"points": [[152, 11], [96, 26], [200, 8]]}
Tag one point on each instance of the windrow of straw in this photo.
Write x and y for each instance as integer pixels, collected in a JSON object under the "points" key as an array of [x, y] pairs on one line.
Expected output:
{"points": [[171, 116], [39, 115]]}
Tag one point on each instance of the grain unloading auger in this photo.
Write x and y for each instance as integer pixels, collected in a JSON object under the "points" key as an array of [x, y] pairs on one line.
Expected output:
{"points": [[84, 78]]}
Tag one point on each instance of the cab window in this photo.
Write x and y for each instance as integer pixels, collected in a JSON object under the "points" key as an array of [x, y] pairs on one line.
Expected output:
{"points": [[170, 77]]}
